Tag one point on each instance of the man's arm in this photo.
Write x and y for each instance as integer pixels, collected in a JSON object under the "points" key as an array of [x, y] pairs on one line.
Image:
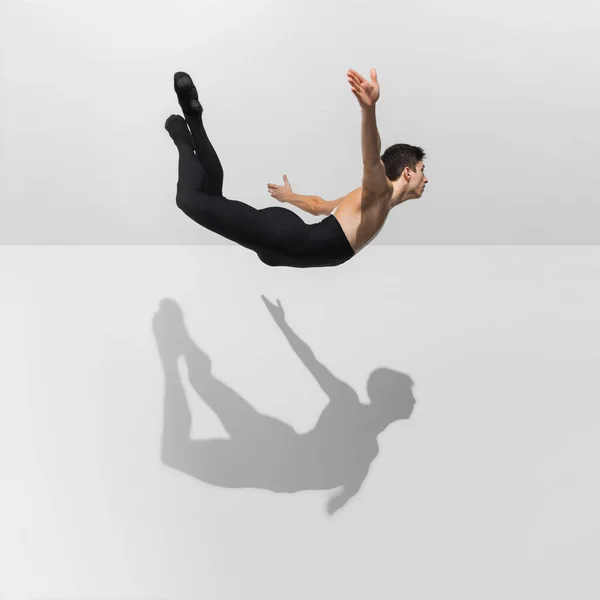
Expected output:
{"points": [[311, 204], [328, 382], [371, 142], [349, 490], [374, 175], [315, 205], [326, 207]]}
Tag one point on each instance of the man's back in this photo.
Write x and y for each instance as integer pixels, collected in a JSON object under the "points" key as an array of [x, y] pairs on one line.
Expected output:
{"points": [[362, 213]]}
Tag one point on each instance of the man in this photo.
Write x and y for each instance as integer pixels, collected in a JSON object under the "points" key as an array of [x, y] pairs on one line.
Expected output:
{"points": [[278, 235]]}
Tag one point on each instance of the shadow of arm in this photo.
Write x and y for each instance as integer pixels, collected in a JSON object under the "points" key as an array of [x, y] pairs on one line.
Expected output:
{"points": [[349, 490], [325, 378]]}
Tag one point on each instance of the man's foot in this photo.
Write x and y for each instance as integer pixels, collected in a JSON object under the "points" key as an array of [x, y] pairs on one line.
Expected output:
{"points": [[187, 94], [169, 329], [179, 132]]}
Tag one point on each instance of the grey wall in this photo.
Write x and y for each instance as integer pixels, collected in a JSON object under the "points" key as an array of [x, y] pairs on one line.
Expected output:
{"points": [[502, 95]]}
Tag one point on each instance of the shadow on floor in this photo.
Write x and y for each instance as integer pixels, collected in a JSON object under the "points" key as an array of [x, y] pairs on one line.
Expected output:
{"points": [[264, 452]]}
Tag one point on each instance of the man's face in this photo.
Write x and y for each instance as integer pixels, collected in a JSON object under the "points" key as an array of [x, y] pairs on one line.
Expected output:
{"points": [[418, 180]]}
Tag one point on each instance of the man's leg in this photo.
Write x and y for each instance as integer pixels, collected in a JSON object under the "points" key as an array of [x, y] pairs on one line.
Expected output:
{"points": [[274, 228], [187, 96], [177, 418]]}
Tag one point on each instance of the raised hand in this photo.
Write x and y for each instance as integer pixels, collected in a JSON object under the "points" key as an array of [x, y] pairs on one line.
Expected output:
{"points": [[367, 92], [281, 192], [275, 310]]}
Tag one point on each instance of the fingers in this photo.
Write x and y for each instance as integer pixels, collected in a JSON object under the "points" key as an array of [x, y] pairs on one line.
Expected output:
{"points": [[355, 87], [360, 94], [373, 73], [359, 79], [359, 88], [272, 185], [354, 81], [356, 75]]}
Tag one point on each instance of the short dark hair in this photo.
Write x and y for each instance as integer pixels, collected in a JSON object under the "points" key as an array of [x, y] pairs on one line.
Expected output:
{"points": [[399, 156]]}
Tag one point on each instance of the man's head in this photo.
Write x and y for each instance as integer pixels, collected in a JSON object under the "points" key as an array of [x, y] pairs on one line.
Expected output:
{"points": [[405, 169], [391, 395]]}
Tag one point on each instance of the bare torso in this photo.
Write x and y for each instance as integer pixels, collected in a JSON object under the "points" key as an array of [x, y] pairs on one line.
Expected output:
{"points": [[361, 214]]}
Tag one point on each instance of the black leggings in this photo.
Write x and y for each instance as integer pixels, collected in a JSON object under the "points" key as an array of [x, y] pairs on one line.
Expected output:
{"points": [[277, 235]]}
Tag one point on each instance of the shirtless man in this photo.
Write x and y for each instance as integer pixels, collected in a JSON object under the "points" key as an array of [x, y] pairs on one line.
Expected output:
{"points": [[277, 235]]}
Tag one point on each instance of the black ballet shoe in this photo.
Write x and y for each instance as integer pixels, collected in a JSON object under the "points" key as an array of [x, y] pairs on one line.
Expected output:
{"points": [[178, 130], [187, 94]]}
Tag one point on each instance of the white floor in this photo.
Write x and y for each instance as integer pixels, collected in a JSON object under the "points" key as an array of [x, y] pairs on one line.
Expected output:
{"points": [[489, 490]]}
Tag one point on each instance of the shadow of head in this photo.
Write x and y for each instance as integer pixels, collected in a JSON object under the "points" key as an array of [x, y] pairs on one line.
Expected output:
{"points": [[391, 394]]}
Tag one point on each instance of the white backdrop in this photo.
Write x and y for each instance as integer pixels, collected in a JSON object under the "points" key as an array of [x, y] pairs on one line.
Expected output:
{"points": [[484, 293], [488, 489], [501, 95]]}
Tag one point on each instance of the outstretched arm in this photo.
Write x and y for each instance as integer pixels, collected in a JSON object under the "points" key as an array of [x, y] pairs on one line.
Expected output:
{"points": [[350, 489], [325, 378], [328, 382], [374, 175], [367, 93], [315, 205], [311, 204], [326, 207]]}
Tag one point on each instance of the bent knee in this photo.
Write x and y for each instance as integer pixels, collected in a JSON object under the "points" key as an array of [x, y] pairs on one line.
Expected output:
{"points": [[270, 259], [190, 198]]}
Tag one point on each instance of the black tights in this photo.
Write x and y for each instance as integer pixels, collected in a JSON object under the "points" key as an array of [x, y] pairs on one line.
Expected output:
{"points": [[210, 165], [278, 235]]}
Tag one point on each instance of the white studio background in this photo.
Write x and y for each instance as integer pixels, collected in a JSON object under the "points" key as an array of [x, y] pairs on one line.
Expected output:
{"points": [[488, 490], [502, 95], [484, 292]]}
